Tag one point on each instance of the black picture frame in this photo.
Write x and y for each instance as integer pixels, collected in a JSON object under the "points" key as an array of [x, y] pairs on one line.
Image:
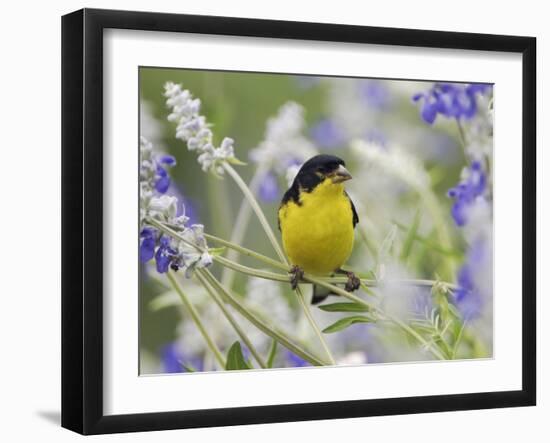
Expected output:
{"points": [[82, 219]]}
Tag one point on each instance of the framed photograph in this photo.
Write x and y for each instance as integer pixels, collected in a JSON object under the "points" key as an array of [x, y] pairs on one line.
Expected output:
{"points": [[269, 221]]}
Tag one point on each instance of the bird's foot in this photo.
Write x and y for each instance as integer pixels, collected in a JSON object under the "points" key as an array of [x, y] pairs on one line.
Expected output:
{"points": [[353, 282], [297, 274]]}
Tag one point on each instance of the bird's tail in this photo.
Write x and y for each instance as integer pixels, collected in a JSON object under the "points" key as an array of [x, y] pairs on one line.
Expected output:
{"points": [[320, 293]]}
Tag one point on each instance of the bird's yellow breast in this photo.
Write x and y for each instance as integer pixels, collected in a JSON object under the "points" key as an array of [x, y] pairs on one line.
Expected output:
{"points": [[318, 232]]}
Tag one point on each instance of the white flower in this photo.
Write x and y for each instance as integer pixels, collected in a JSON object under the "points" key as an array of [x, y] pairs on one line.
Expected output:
{"points": [[149, 126], [266, 296], [284, 144], [394, 161], [354, 358], [193, 129], [163, 208], [188, 255]]}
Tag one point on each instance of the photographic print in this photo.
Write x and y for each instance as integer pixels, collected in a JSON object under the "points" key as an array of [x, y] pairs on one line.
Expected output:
{"points": [[293, 221], [293, 204]]}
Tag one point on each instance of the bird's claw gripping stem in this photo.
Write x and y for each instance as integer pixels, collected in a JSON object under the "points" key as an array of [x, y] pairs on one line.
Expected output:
{"points": [[353, 282], [297, 274]]}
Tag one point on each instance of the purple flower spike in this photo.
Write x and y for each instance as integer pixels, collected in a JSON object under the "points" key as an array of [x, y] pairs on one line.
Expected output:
{"points": [[327, 134], [466, 193], [269, 188], [168, 160], [450, 100], [147, 245], [164, 255]]}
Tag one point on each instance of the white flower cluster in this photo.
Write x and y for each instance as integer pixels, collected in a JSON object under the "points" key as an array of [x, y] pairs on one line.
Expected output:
{"points": [[284, 146], [188, 256], [147, 163], [395, 161], [194, 130]]}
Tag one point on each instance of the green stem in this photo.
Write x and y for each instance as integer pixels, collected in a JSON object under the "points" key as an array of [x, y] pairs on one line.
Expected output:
{"points": [[271, 331], [232, 321], [256, 208], [314, 325], [240, 225], [196, 318], [413, 334], [457, 341], [248, 252], [271, 236]]}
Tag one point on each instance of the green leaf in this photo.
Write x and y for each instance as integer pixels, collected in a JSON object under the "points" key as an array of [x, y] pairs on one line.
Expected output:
{"points": [[430, 244], [411, 237], [384, 251], [235, 358], [343, 323], [272, 353], [387, 243], [188, 368], [344, 307], [217, 251]]}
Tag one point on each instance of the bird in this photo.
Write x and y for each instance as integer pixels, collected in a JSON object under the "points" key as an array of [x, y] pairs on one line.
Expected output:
{"points": [[317, 219]]}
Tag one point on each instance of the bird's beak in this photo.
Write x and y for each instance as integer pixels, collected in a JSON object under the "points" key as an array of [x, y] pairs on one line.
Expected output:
{"points": [[340, 175]]}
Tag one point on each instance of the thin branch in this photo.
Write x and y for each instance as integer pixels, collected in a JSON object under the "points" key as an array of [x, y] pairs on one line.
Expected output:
{"points": [[196, 318], [232, 321], [273, 332]]}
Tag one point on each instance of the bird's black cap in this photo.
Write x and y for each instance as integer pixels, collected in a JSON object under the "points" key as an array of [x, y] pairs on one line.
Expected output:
{"points": [[323, 163]]}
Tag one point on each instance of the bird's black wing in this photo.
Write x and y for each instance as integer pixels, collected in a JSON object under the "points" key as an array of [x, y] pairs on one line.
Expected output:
{"points": [[355, 216]]}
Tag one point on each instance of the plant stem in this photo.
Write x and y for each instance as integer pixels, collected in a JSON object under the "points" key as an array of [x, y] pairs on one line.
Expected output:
{"points": [[196, 318], [256, 208], [248, 252], [271, 236], [414, 334], [314, 325], [271, 331], [241, 223], [232, 321]]}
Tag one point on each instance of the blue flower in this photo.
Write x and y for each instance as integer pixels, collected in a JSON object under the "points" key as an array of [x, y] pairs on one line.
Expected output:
{"points": [[162, 180], [147, 244], [377, 137], [171, 359], [294, 361], [469, 298], [327, 134], [269, 188], [375, 94], [167, 160], [466, 193], [174, 360], [164, 255], [450, 100]]}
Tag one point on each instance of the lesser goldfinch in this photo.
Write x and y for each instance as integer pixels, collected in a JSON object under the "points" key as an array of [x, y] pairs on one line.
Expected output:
{"points": [[317, 220]]}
